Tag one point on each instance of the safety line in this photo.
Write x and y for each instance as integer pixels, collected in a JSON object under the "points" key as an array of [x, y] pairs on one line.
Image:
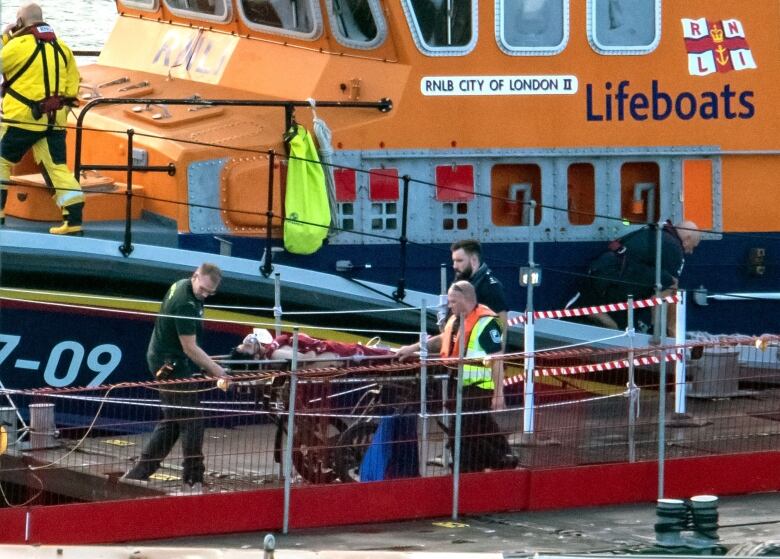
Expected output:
{"points": [[598, 309]]}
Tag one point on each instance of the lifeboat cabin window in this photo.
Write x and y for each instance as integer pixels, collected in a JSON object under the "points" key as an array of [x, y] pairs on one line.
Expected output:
{"points": [[512, 187], [213, 10], [297, 18], [532, 27], [383, 192], [442, 27], [149, 5], [639, 192], [624, 26], [581, 194], [356, 23]]}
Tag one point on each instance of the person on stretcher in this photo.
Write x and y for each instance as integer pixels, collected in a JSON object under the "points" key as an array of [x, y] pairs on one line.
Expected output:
{"points": [[260, 345]]}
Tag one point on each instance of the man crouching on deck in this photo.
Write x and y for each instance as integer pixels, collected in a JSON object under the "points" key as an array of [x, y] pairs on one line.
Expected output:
{"points": [[483, 446]]}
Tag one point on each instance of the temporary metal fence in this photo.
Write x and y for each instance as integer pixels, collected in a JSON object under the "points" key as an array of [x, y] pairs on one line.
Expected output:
{"points": [[373, 422]]}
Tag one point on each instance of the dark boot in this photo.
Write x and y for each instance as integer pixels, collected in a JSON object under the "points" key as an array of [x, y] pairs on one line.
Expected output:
{"points": [[3, 198], [71, 221]]}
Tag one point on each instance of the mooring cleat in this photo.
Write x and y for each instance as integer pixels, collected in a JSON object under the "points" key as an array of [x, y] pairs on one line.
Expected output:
{"points": [[66, 229]]}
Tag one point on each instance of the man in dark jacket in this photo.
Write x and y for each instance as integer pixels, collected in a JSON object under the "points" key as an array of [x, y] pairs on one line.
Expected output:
{"points": [[628, 268], [468, 265]]}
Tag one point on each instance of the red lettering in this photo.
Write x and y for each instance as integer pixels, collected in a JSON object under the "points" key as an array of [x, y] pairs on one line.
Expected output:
{"points": [[700, 65]]}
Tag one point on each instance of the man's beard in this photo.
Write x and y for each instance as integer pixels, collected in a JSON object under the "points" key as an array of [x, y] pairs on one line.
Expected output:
{"points": [[465, 274]]}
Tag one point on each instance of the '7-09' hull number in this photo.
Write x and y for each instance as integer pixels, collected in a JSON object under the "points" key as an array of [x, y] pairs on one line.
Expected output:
{"points": [[65, 360]]}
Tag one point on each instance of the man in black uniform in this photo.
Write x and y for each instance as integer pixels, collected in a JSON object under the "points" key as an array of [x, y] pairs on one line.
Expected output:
{"points": [[468, 265], [628, 268], [174, 352]]}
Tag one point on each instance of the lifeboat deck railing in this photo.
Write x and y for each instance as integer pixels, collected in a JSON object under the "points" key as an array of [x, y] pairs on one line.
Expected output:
{"points": [[384, 105]]}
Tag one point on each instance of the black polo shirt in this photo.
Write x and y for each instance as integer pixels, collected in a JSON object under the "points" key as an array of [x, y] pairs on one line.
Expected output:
{"points": [[180, 301]]}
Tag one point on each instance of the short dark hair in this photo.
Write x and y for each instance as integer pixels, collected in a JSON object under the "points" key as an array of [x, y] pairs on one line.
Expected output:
{"points": [[469, 246], [210, 270]]}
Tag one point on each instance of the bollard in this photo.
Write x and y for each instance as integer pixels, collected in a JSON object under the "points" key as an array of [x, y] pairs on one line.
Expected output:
{"points": [[269, 545], [671, 520], [704, 521], [42, 428]]}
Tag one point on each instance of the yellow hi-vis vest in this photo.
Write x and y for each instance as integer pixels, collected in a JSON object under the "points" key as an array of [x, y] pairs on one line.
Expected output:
{"points": [[476, 322]]}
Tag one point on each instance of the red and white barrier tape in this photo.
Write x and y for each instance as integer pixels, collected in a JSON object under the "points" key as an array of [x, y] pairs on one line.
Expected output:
{"points": [[597, 309], [596, 367]]}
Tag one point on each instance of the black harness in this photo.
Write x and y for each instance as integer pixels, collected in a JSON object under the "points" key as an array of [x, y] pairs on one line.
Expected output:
{"points": [[52, 101]]}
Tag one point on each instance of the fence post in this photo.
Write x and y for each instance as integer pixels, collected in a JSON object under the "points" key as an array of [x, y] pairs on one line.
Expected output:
{"points": [[631, 386], [424, 383], [679, 367], [528, 334], [290, 431], [127, 247], [458, 419], [659, 326], [530, 364], [278, 303], [662, 413]]}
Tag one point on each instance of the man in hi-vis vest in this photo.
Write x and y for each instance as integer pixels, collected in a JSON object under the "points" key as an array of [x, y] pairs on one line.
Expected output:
{"points": [[483, 446]]}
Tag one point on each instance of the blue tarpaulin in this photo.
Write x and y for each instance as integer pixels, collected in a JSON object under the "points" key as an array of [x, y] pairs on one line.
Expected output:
{"points": [[393, 450]]}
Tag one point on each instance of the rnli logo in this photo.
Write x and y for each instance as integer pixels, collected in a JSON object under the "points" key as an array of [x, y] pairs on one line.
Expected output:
{"points": [[716, 46]]}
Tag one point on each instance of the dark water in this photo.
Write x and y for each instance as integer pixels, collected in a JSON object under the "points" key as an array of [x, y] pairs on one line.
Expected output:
{"points": [[82, 24]]}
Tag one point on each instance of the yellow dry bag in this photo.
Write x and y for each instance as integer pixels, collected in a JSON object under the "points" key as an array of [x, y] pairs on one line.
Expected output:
{"points": [[306, 206]]}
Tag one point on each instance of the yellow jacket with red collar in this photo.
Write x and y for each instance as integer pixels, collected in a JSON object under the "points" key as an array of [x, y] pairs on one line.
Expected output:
{"points": [[31, 60]]}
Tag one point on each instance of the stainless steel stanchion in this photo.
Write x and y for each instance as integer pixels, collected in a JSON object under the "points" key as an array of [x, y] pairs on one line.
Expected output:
{"points": [[662, 413], [458, 420], [290, 431], [424, 385], [633, 391]]}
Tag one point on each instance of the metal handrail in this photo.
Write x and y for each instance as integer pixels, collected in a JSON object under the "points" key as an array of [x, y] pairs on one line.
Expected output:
{"points": [[383, 105]]}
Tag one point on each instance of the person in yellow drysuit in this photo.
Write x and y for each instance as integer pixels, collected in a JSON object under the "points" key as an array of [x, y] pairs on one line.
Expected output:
{"points": [[40, 82]]}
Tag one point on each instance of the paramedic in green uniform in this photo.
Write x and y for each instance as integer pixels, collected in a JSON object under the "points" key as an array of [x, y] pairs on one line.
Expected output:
{"points": [[175, 352]]}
